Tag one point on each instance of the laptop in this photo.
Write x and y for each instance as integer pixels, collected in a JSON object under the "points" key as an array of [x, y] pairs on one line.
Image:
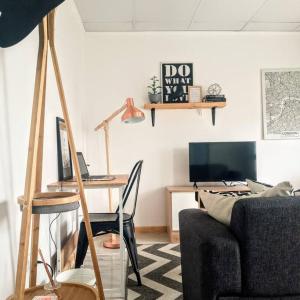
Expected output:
{"points": [[85, 175]]}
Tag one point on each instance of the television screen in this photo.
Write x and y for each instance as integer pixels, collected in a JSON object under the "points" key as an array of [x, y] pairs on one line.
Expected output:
{"points": [[229, 161]]}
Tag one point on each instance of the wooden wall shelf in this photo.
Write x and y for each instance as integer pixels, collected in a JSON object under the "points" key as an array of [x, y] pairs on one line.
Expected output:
{"points": [[192, 105]]}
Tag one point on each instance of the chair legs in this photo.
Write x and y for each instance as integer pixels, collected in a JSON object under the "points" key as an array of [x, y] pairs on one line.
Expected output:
{"points": [[82, 246], [129, 238]]}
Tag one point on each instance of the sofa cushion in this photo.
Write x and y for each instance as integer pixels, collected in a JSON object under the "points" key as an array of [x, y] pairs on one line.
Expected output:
{"points": [[291, 297], [268, 233], [220, 206], [210, 257]]}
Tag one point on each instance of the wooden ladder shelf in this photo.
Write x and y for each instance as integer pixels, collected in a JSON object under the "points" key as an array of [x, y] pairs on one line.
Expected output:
{"points": [[34, 202]]}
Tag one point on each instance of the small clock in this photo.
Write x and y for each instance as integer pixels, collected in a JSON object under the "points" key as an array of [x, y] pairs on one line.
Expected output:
{"points": [[214, 89]]}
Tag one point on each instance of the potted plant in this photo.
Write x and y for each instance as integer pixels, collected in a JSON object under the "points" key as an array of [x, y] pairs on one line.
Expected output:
{"points": [[154, 90]]}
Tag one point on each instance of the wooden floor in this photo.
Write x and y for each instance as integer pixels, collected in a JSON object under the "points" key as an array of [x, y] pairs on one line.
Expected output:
{"points": [[152, 238]]}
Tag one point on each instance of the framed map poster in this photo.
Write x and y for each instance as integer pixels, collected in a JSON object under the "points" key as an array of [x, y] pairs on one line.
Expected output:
{"points": [[175, 79], [281, 103]]}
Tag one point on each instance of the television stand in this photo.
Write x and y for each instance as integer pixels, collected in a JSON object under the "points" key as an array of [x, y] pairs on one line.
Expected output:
{"points": [[182, 197]]}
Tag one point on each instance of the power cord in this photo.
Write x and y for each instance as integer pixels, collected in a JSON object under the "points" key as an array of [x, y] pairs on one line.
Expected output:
{"points": [[52, 239], [54, 243], [50, 233], [51, 269]]}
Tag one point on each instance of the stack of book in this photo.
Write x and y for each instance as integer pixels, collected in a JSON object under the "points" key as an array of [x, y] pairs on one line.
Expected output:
{"points": [[215, 98]]}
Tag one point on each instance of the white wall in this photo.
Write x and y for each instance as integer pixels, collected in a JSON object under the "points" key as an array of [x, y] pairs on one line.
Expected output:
{"points": [[8, 210], [17, 73], [120, 64]]}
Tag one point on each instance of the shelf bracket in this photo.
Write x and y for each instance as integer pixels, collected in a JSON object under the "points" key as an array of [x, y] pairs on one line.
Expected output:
{"points": [[213, 115], [153, 116]]}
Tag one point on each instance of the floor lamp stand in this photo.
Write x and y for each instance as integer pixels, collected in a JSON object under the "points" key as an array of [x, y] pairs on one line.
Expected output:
{"points": [[113, 242], [131, 115]]}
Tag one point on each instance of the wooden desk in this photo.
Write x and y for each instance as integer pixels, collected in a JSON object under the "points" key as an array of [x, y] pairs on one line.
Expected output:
{"points": [[119, 182], [182, 197]]}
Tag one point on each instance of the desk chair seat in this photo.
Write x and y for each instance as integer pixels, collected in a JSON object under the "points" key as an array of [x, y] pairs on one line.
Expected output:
{"points": [[102, 223], [108, 217]]}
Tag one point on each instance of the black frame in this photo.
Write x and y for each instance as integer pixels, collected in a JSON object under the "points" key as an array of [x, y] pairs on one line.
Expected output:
{"points": [[197, 171], [87, 174], [61, 170], [177, 81]]}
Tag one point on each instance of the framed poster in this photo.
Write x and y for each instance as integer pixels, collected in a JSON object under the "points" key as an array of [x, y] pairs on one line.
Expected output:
{"points": [[281, 103], [175, 79], [64, 159], [195, 93]]}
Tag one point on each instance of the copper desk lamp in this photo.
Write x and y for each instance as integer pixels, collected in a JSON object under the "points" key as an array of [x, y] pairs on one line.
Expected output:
{"points": [[130, 116]]}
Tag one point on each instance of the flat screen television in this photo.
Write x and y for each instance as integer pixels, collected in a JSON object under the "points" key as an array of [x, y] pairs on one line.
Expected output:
{"points": [[222, 161]]}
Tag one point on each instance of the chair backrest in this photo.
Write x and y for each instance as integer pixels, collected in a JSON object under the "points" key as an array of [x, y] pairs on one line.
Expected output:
{"points": [[133, 183]]}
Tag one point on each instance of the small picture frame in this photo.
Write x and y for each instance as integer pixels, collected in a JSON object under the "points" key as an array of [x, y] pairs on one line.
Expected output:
{"points": [[195, 93], [65, 170]]}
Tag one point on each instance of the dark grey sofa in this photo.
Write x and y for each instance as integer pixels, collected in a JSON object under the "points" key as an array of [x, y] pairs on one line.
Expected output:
{"points": [[257, 257]]}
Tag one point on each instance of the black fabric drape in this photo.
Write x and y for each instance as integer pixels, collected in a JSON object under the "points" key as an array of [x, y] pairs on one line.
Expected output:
{"points": [[19, 17]]}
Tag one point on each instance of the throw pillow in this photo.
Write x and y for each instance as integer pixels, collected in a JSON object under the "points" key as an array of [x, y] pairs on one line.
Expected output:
{"points": [[220, 207], [231, 193], [257, 187], [281, 189]]}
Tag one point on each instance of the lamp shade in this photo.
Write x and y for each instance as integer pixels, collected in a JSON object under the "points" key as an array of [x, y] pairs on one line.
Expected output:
{"points": [[132, 114], [19, 17]]}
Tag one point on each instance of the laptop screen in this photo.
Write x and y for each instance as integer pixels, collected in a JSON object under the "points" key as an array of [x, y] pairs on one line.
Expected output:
{"points": [[83, 167]]}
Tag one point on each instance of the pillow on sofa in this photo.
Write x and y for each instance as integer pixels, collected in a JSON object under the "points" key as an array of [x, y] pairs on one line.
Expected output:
{"points": [[281, 189], [257, 187], [220, 207]]}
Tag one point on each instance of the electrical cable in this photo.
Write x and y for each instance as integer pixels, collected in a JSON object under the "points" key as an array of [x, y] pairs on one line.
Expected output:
{"points": [[50, 233], [51, 269], [54, 243]]}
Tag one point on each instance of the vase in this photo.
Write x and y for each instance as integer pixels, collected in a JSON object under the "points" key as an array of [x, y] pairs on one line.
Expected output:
{"points": [[154, 98]]}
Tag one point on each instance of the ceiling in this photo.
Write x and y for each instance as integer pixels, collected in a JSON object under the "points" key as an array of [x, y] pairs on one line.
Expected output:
{"points": [[189, 15]]}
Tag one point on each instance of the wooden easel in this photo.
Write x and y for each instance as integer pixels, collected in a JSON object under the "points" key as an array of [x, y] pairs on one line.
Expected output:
{"points": [[33, 180]]}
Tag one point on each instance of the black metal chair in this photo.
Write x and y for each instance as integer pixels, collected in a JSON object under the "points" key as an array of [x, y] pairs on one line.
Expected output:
{"points": [[103, 223]]}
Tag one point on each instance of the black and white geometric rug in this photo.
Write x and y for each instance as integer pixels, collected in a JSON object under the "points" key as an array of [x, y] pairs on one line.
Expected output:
{"points": [[160, 271]]}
